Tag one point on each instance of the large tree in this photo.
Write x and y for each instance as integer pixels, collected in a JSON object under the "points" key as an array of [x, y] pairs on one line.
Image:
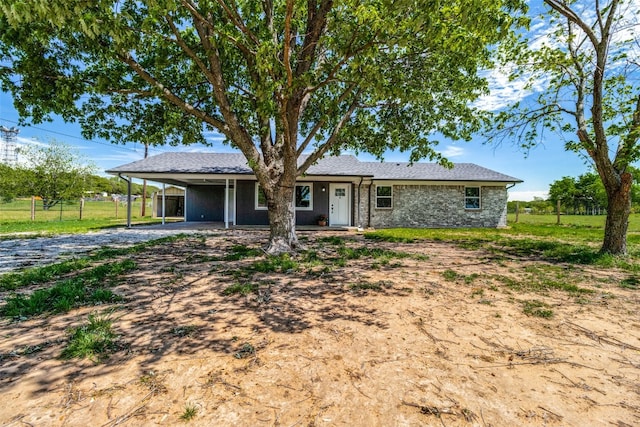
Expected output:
{"points": [[285, 81], [54, 172], [589, 63]]}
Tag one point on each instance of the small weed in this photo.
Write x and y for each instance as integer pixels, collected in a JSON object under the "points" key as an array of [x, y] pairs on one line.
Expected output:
{"points": [[373, 286], [477, 292], [190, 411], [184, 331], [631, 282], [450, 275], [283, 263], [153, 382], [241, 288], [332, 240], [94, 340], [470, 278], [537, 308], [246, 350], [239, 252]]}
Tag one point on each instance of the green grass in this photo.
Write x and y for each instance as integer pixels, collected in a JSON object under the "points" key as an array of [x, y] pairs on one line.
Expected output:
{"points": [[241, 288], [239, 252], [15, 217], [88, 288], [36, 275], [537, 308], [48, 273], [363, 285], [94, 340], [272, 264], [190, 412], [576, 242]]}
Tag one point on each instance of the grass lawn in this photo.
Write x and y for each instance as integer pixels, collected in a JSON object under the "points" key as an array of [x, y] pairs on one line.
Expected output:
{"points": [[15, 217]]}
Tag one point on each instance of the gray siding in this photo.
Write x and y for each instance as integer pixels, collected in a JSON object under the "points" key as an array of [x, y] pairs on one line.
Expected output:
{"points": [[437, 206], [247, 214], [205, 203]]}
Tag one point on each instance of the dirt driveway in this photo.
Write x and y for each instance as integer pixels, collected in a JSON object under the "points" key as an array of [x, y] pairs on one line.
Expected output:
{"points": [[394, 335]]}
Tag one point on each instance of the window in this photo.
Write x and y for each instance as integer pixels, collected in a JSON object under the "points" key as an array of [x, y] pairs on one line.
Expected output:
{"points": [[384, 196], [261, 200], [472, 198], [303, 197]]}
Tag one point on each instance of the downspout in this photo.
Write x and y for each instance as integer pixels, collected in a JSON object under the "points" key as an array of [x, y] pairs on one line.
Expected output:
{"points": [[128, 199]]}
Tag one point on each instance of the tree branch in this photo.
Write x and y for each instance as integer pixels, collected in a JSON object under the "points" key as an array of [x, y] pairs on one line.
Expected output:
{"points": [[565, 10], [170, 96], [320, 123], [331, 141]]}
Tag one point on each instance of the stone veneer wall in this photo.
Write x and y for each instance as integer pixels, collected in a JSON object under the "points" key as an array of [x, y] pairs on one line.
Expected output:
{"points": [[434, 206]]}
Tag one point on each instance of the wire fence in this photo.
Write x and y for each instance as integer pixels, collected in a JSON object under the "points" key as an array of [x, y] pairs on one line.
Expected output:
{"points": [[34, 209]]}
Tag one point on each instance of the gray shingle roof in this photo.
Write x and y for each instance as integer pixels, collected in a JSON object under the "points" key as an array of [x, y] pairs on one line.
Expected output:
{"points": [[235, 163], [433, 172]]}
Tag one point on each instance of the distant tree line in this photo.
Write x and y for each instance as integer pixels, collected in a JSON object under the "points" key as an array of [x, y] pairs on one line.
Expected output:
{"points": [[584, 195], [55, 172]]}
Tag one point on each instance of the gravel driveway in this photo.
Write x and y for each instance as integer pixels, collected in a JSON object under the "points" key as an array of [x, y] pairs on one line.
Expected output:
{"points": [[29, 252]]}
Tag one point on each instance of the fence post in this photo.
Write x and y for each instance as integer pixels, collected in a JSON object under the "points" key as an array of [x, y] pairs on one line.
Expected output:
{"points": [[517, 211], [558, 211], [61, 203], [33, 208], [81, 207], [116, 202]]}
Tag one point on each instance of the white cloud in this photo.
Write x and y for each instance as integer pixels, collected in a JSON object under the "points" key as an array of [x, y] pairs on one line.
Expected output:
{"points": [[452, 151]]}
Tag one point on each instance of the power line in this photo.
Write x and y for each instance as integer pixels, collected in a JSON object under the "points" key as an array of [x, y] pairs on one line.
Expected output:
{"points": [[79, 138]]}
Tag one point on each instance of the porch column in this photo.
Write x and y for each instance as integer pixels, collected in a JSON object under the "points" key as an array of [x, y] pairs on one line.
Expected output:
{"points": [[129, 200], [226, 203], [235, 194], [163, 202]]}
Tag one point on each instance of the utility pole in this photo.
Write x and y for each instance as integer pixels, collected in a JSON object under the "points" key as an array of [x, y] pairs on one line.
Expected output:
{"points": [[8, 150]]}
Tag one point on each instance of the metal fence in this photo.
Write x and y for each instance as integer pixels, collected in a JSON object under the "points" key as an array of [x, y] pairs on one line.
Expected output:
{"points": [[63, 210]]}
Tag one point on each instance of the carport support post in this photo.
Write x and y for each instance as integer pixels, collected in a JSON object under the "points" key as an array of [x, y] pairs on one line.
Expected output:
{"points": [[163, 202], [129, 203], [226, 203]]}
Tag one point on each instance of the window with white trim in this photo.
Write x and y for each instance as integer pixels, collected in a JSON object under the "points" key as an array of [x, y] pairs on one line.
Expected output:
{"points": [[472, 197], [261, 199], [384, 196], [303, 197]]}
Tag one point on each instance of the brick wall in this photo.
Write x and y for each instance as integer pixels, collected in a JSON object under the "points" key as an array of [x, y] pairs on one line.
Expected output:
{"points": [[431, 206]]}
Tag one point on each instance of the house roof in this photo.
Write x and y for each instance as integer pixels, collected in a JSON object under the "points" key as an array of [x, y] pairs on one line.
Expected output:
{"points": [[175, 164]]}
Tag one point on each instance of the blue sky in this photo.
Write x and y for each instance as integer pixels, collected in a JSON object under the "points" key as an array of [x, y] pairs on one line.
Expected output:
{"points": [[541, 166]]}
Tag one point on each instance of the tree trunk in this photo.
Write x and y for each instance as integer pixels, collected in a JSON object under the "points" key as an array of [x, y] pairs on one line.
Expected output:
{"points": [[615, 231], [282, 220]]}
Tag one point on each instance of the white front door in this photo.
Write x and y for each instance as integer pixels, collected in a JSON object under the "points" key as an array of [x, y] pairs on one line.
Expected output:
{"points": [[339, 204]]}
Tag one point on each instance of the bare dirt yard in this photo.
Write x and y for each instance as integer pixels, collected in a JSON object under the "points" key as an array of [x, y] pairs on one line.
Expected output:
{"points": [[356, 332]]}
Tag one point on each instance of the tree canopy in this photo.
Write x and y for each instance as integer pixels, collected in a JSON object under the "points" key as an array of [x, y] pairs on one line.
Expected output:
{"points": [[585, 70], [53, 172], [278, 78]]}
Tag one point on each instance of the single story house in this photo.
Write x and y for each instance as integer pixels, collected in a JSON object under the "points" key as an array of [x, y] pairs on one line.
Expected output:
{"points": [[222, 187]]}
